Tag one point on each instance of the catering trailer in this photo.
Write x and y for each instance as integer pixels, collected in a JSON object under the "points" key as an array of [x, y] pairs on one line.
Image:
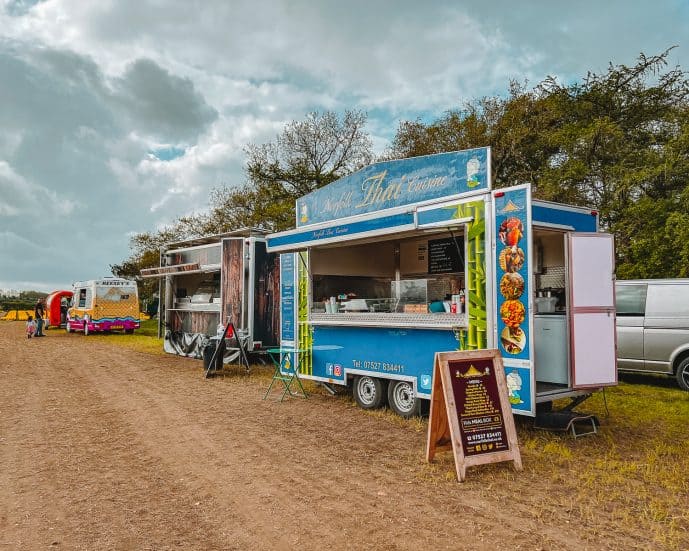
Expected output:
{"points": [[406, 258], [57, 304], [209, 281]]}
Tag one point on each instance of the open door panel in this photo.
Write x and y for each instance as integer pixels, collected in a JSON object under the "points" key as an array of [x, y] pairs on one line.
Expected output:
{"points": [[591, 259]]}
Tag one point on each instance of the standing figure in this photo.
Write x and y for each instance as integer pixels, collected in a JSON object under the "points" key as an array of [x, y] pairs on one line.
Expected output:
{"points": [[39, 312], [30, 327], [63, 311]]}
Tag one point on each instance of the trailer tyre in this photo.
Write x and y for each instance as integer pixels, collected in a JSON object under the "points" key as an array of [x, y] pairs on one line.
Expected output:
{"points": [[402, 399], [683, 374], [369, 392]]}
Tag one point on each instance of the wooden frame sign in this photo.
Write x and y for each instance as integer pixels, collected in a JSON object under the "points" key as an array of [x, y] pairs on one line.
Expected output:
{"points": [[470, 410]]}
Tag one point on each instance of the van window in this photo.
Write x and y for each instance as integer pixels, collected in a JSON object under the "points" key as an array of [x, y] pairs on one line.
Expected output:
{"points": [[82, 298], [115, 294], [668, 300], [630, 300]]}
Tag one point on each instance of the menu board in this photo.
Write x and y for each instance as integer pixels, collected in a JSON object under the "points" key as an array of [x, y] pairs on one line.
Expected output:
{"points": [[287, 296], [481, 423], [470, 410], [445, 256]]}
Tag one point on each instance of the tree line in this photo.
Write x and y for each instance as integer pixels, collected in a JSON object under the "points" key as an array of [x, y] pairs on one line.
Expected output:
{"points": [[25, 301], [617, 142]]}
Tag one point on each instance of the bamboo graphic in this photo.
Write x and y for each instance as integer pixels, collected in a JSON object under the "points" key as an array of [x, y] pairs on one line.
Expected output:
{"points": [[305, 331], [475, 337]]}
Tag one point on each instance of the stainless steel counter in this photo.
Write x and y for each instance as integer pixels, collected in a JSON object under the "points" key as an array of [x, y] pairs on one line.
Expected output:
{"points": [[414, 321], [196, 307]]}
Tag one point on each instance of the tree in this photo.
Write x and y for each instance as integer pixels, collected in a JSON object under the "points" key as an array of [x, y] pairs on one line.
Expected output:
{"points": [[307, 155], [617, 142]]}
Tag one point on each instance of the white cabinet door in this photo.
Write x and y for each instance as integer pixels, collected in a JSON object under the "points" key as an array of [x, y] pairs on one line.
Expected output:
{"points": [[591, 259]]}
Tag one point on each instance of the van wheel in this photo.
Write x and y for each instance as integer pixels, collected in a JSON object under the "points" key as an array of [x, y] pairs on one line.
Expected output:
{"points": [[683, 374], [402, 400], [369, 392]]}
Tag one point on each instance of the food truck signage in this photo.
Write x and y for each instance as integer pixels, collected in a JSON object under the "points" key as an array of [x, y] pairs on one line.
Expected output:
{"points": [[362, 228], [512, 275], [408, 353], [470, 410], [397, 183], [287, 296], [512, 229]]}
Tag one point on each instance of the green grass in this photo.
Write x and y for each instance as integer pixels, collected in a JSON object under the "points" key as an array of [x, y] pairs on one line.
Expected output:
{"points": [[635, 469], [144, 339]]}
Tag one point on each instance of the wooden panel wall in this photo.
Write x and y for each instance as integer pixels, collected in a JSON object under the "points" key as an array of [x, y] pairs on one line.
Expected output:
{"points": [[194, 322], [231, 282]]}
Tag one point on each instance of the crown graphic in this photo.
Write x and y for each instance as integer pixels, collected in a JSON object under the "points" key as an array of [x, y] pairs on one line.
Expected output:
{"points": [[510, 207], [472, 372]]}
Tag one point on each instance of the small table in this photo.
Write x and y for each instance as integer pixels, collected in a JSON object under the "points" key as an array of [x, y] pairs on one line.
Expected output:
{"points": [[276, 355]]}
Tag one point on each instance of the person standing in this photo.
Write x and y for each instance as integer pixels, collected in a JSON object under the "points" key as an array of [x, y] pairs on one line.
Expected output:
{"points": [[39, 312], [30, 327]]}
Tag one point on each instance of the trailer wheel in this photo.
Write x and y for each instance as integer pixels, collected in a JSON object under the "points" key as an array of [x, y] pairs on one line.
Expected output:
{"points": [[369, 392], [402, 400], [129, 331], [683, 374]]}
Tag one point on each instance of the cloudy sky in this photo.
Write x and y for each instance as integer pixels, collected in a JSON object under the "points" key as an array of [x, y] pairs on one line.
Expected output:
{"points": [[117, 116]]}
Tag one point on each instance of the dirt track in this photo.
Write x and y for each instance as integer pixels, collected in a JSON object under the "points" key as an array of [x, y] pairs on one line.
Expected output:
{"points": [[106, 448]]}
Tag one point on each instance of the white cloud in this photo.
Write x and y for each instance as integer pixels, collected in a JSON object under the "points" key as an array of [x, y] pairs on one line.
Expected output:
{"points": [[20, 196], [95, 87]]}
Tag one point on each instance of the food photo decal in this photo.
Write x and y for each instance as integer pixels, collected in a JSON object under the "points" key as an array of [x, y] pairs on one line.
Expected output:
{"points": [[511, 260]]}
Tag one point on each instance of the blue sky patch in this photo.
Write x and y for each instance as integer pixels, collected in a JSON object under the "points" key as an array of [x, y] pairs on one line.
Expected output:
{"points": [[167, 153]]}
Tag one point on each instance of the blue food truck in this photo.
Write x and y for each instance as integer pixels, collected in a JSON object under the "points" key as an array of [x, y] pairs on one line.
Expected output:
{"points": [[406, 258]]}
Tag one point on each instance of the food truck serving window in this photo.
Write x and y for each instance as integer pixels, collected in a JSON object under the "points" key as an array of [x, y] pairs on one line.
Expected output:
{"points": [[116, 294], [419, 276]]}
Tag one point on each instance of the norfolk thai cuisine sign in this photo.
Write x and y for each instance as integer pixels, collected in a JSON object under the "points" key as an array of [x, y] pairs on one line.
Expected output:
{"points": [[398, 183]]}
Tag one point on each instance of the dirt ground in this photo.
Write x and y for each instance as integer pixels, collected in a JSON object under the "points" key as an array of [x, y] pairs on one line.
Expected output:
{"points": [[106, 448]]}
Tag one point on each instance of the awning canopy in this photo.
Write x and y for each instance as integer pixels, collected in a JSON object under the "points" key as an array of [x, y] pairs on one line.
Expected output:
{"points": [[168, 270], [394, 221]]}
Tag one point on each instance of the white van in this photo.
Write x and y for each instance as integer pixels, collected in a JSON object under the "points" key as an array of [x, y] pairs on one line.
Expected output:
{"points": [[653, 327]]}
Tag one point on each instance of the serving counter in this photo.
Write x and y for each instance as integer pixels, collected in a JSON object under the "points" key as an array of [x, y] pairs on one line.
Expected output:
{"points": [[415, 321]]}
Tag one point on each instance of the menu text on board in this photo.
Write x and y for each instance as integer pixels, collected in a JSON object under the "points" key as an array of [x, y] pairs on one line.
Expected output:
{"points": [[481, 422]]}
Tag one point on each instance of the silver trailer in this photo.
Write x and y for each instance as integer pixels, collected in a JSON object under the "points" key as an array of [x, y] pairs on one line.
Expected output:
{"points": [[208, 281]]}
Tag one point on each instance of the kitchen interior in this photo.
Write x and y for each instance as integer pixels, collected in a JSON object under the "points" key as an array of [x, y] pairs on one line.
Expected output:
{"points": [[196, 303], [413, 275], [551, 334]]}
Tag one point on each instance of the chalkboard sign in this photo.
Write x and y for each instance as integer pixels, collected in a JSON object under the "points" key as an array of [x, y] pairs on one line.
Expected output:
{"points": [[470, 410], [475, 389], [445, 255]]}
